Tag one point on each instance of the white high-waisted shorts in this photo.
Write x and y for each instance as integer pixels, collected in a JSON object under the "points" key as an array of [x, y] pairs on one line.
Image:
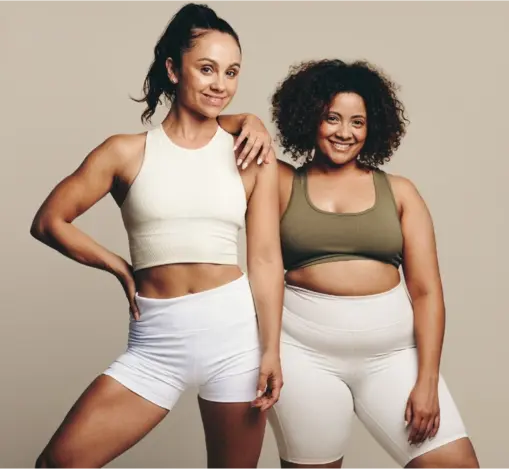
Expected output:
{"points": [[350, 355], [207, 339]]}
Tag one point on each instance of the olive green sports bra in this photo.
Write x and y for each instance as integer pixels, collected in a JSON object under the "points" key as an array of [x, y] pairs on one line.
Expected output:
{"points": [[313, 236]]}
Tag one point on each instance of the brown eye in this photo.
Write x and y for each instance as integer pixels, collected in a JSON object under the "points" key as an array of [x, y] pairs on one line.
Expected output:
{"points": [[207, 69]]}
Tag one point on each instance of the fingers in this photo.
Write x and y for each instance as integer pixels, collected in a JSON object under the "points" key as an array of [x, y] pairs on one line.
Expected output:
{"points": [[248, 147], [429, 427], [436, 426], [414, 426], [422, 424], [256, 146], [272, 394], [260, 389], [268, 390], [408, 413], [255, 151], [131, 296], [133, 308], [238, 142]]}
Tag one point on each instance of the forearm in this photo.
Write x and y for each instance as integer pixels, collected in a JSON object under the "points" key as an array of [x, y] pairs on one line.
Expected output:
{"points": [[232, 123], [73, 243], [429, 327], [267, 285]]}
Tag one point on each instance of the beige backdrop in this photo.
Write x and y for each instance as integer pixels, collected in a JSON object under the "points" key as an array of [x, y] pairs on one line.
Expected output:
{"points": [[67, 70]]}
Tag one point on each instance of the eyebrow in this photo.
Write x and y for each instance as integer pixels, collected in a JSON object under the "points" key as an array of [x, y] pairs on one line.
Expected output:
{"points": [[356, 115], [206, 59]]}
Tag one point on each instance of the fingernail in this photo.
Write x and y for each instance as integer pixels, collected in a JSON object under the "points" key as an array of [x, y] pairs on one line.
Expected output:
{"points": [[260, 161], [244, 166], [239, 161], [259, 393], [406, 423], [234, 147]]}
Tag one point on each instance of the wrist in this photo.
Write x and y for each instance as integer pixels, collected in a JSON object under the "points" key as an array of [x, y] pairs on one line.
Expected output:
{"points": [[271, 350], [428, 377], [118, 267]]}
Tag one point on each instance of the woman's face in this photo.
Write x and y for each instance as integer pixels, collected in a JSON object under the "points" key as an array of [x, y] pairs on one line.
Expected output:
{"points": [[343, 130], [208, 77]]}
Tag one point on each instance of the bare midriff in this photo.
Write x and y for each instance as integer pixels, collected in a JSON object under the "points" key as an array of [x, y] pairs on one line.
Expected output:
{"points": [[346, 278], [172, 281]]}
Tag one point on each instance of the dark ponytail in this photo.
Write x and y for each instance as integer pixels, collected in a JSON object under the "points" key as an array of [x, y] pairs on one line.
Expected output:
{"points": [[188, 24]]}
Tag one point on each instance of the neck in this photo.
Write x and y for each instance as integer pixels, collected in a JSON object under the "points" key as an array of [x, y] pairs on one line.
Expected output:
{"points": [[188, 125], [323, 164]]}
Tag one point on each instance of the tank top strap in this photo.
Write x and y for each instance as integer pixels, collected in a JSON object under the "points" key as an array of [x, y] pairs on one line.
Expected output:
{"points": [[299, 187], [386, 199]]}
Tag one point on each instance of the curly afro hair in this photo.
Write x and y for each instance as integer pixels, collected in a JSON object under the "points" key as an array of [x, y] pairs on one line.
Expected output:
{"points": [[302, 98]]}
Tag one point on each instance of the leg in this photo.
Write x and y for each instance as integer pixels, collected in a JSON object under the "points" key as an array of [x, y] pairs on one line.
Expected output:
{"points": [[233, 433], [458, 453], [380, 400], [106, 420], [334, 464], [312, 419]]}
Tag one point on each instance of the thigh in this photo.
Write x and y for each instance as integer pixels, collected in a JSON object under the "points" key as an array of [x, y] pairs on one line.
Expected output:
{"points": [[457, 453], [106, 420], [380, 400], [234, 433], [312, 419]]}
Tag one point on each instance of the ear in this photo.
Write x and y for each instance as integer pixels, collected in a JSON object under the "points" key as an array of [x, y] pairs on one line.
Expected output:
{"points": [[172, 72]]}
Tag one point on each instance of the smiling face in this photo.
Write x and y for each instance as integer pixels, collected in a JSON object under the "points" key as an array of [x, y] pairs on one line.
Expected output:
{"points": [[208, 77], [343, 129]]}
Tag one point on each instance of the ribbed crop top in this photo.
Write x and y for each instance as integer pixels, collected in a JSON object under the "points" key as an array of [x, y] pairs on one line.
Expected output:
{"points": [[312, 236], [185, 205]]}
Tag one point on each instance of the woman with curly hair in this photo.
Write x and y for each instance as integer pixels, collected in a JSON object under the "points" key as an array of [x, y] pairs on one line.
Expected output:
{"points": [[353, 340]]}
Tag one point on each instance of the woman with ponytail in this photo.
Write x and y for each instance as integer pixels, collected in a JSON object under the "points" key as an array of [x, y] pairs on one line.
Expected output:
{"points": [[196, 319]]}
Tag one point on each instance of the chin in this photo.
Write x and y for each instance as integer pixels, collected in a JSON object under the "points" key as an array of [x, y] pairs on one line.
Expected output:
{"points": [[340, 159], [211, 112]]}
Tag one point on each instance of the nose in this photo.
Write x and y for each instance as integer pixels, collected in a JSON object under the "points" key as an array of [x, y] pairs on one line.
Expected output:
{"points": [[343, 132], [219, 83]]}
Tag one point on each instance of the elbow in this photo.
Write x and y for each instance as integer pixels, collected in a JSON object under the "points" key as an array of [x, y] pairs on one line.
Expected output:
{"points": [[37, 229], [41, 228], [272, 266]]}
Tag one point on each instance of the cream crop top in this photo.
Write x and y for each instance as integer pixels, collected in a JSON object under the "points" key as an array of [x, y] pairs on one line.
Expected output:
{"points": [[185, 206]]}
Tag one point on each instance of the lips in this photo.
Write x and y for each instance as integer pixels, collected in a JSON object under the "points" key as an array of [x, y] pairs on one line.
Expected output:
{"points": [[341, 146], [214, 100]]}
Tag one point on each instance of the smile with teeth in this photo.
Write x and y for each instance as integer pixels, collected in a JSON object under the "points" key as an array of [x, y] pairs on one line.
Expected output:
{"points": [[341, 146]]}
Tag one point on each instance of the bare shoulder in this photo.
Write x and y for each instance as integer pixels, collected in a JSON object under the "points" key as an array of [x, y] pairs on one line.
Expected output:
{"points": [[123, 149], [286, 170], [402, 186], [405, 192], [286, 174]]}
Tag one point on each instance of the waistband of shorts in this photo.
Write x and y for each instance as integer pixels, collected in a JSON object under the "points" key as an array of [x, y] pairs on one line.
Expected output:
{"points": [[348, 298], [229, 287], [223, 306], [354, 313]]}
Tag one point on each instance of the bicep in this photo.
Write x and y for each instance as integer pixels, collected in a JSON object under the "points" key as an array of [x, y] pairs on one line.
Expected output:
{"points": [[262, 217], [88, 184], [420, 260]]}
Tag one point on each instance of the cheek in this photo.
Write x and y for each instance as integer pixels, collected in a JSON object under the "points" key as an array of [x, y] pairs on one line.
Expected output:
{"points": [[194, 82], [361, 134], [325, 130], [231, 86]]}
